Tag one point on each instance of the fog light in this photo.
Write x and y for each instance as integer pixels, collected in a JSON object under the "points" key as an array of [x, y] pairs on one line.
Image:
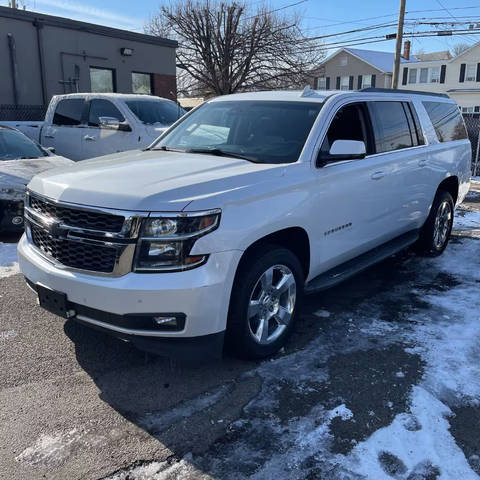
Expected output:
{"points": [[17, 220], [172, 321]]}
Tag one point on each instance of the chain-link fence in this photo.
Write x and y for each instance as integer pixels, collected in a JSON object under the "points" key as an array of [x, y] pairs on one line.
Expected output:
{"points": [[472, 122], [22, 113]]}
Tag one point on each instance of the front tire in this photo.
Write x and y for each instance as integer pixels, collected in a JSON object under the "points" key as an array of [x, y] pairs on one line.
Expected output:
{"points": [[266, 296], [436, 231]]}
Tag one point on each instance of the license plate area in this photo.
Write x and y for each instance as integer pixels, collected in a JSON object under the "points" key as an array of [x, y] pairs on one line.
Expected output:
{"points": [[53, 301]]}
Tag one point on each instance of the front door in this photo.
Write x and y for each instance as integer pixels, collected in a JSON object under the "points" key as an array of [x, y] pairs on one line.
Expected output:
{"points": [[98, 139]]}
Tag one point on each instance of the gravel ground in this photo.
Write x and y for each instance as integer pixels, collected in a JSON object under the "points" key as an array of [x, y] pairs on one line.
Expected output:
{"points": [[380, 380]]}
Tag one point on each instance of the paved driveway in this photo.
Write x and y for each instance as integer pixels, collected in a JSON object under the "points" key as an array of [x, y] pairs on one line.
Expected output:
{"points": [[381, 380]]}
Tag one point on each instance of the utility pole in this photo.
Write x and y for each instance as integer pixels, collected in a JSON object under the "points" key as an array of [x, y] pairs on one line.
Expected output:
{"points": [[13, 3], [398, 44]]}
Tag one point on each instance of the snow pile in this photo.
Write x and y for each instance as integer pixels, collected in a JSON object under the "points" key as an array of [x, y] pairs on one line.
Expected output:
{"points": [[8, 259], [414, 444]]}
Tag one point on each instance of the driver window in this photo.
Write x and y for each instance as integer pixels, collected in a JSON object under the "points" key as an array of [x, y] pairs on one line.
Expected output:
{"points": [[103, 108], [347, 124]]}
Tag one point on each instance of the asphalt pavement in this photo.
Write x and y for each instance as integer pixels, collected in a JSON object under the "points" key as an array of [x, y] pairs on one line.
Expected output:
{"points": [[78, 404]]}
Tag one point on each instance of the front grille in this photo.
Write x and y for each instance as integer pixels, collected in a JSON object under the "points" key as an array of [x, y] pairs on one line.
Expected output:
{"points": [[74, 254], [73, 217]]}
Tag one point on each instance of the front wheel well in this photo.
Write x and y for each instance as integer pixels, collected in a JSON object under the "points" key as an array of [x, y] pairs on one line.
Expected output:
{"points": [[294, 239], [450, 185]]}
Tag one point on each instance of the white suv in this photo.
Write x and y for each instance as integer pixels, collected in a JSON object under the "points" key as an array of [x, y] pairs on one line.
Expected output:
{"points": [[217, 230]]}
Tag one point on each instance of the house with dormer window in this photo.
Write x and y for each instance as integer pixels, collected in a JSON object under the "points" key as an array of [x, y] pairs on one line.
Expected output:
{"points": [[355, 68], [458, 76]]}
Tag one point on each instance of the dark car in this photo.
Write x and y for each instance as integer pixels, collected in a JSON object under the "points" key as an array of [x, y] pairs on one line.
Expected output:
{"points": [[20, 159]]}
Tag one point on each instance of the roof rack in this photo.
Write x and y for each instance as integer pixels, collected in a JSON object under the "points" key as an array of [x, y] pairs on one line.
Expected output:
{"points": [[412, 92]]}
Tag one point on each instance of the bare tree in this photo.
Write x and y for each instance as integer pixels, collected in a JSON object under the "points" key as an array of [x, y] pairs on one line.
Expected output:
{"points": [[459, 48], [225, 47]]}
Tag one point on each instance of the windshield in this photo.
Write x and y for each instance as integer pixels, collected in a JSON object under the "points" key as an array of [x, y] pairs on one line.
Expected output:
{"points": [[264, 131], [14, 145], [152, 111]]}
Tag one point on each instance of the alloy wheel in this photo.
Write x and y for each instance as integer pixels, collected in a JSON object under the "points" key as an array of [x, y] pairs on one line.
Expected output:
{"points": [[443, 224], [271, 304]]}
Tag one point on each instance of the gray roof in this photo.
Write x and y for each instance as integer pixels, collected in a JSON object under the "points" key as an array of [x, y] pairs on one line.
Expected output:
{"points": [[381, 60]]}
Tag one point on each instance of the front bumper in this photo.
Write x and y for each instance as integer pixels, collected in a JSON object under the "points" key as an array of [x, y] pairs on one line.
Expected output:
{"points": [[202, 294]]}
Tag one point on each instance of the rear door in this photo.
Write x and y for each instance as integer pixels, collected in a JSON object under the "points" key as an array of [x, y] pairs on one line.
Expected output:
{"points": [[401, 163], [65, 131], [98, 139]]}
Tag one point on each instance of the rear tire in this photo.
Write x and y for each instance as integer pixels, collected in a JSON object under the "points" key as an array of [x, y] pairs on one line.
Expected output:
{"points": [[265, 299], [435, 233]]}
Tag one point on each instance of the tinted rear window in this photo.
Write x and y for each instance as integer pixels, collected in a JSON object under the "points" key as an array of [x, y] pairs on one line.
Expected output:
{"points": [[391, 127], [68, 112], [447, 121]]}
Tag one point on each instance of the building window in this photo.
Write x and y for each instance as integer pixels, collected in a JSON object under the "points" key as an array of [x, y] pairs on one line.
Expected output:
{"points": [[345, 83], [423, 75], [366, 81], [321, 83], [471, 72], [102, 80], [435, 75], [142, 83], [343, 61], [468, 110], [412, 75]]}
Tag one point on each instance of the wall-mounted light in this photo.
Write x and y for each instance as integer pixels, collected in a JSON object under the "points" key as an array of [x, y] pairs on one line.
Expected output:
{"points": [[126, 52]]}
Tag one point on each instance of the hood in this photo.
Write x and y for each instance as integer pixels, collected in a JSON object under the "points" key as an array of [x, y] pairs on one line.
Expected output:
{"points": [[15, 174], [152, 180]]}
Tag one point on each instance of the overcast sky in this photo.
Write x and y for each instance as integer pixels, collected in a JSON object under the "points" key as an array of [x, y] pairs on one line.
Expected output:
{"points": [[321, 17]]}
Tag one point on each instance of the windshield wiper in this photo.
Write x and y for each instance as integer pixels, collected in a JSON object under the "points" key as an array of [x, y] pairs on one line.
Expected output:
{"points": [[169, 149], [222, 153]]}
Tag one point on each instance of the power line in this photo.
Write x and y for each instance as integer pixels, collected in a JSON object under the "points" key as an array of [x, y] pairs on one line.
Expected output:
{"points": [[450, 13]]}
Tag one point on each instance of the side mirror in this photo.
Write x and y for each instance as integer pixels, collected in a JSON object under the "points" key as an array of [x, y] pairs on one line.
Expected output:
{"points": [[342, 150], [109, 122], [51, 149]]}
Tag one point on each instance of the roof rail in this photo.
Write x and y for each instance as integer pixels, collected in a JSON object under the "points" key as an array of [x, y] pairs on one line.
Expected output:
{"points": [[412, 92]]}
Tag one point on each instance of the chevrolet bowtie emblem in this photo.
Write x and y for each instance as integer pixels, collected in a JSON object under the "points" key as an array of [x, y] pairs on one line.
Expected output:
{"points": [[57, 231]]}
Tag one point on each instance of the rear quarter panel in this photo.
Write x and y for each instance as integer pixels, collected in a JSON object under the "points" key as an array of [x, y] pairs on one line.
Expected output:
{"points": [[446, 159]]}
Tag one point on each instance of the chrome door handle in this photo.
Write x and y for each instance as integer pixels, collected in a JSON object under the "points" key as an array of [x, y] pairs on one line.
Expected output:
{"points": [[88, 137], [49, 136], [422, 163], [377, 175]]}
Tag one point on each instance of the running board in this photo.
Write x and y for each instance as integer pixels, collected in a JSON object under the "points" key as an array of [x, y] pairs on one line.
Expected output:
{"points": [[352, 267]]}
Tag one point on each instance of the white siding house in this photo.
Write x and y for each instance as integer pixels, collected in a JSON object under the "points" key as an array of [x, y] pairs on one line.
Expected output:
{"points": [[459, 77]]}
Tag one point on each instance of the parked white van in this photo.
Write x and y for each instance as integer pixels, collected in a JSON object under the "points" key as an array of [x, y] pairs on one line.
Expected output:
{"points": [[245, 204], [87, 125]]}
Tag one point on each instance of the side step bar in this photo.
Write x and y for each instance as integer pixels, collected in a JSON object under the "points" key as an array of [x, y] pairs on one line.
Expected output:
{"points": [[356, 265]]}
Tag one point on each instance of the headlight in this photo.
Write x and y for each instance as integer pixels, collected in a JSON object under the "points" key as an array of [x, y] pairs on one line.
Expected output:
{"points": [[166, 241]]}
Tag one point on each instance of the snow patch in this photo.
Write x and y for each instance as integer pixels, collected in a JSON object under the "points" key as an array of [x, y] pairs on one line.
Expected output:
{"points": [[50, 449], [466, 220], [432, 444], [7, 334], [8, 259], [157, 422], [322, 313]]}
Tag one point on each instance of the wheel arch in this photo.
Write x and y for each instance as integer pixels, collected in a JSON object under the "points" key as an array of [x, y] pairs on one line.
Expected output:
{"points": [[294, 239], [450, 185]]}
